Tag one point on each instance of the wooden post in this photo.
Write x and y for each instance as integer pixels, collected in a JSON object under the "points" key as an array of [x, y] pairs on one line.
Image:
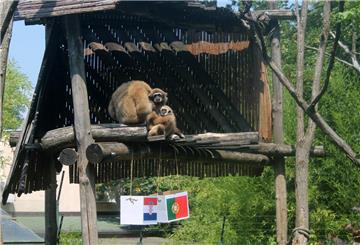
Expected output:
{"points": [[6, 27], [82, 129], [50, 207], [5, 37], [278, 134]]}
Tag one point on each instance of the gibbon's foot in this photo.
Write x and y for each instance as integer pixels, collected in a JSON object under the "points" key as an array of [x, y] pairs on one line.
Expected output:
{"points": [[133, 125], [181, 135], [174, 137]]}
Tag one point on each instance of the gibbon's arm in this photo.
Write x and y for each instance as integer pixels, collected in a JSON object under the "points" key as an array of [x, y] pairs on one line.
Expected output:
{"points": [[164, 119], [151, 117]]}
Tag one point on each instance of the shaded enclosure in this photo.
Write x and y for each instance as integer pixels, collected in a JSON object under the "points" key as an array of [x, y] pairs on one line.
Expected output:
{"points": [[211, 70]]}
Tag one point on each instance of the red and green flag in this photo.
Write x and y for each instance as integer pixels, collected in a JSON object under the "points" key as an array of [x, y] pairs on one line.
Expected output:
{"points": [[177, 206]]}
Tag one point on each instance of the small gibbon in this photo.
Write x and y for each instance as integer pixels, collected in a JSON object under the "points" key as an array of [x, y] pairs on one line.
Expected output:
{"points": [[134, 100], [163, 122]]}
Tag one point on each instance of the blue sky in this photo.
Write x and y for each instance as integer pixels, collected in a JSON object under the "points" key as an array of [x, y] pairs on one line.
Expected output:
{"points": [[27, 48]]}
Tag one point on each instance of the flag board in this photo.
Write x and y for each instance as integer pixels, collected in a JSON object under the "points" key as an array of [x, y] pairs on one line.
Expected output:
{"points": [[148, 210], [138, 210]]}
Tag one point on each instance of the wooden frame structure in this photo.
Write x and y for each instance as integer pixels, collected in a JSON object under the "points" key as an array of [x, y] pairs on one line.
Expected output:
{"points": [[92, 48]]}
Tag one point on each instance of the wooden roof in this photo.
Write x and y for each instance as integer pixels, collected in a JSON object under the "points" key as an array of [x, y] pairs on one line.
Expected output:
{"points": [[36, 9]]}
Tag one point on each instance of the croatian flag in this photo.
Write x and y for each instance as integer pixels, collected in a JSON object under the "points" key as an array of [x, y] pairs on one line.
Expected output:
{"points": [[150, 210]]}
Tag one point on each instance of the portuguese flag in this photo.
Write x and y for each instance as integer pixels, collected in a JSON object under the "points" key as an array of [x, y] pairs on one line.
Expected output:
{"points": [[177, 206]]}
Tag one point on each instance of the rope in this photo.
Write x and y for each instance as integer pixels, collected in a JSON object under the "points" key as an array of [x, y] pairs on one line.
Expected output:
{"points": [[131, 172], [158, 173], [176, 163], [301, 230]]}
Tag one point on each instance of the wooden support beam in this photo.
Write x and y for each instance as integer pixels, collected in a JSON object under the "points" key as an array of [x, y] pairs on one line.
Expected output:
{"points": [[278, 133], [65, 137], [51, 207], [99, 152], [6, 24], [68, 156], [279, 150], [82, 129], [7, 9], [6, 17], [276, 14], [14, 138]]}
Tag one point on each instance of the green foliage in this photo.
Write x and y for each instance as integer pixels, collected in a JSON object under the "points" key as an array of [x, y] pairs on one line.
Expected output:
{"points": [[70, 238], [16, 97], [242, 200]]}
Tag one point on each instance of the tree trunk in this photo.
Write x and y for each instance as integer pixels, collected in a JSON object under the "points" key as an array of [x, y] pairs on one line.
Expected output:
{"points": [[305, 139], [302, 160]]}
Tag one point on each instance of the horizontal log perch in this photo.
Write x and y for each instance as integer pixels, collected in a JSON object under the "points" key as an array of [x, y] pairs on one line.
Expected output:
{"points": [[14, 138], [271, 149], [280, 14], [99, 152], [64, 137], [68, 156], [238, 138]]}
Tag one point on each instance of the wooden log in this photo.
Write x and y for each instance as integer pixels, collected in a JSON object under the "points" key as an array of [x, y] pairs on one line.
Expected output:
{"points": [[278, 150], [82, 129], [7, 12], [244, 137], [6, 24], [278, 136], [14, 138], [64, 137], [51, 208], [68, 156], [99, 152], [276, 14]]}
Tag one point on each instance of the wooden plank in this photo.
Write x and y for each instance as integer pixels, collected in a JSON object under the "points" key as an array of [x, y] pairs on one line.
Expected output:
{"points": [[265, 115], [42, 9], [82, 129]]}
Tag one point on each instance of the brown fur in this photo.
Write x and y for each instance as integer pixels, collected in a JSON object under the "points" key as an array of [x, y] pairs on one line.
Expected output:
{"points": [[131, 102], [163, 122]]}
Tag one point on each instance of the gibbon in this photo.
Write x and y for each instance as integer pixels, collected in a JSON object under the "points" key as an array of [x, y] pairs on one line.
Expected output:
{"points": [[134, 100], [163, 122]]}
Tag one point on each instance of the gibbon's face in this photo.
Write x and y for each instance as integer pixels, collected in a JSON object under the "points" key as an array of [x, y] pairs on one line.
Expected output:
{"points": [[165, 110], [158, 96]]}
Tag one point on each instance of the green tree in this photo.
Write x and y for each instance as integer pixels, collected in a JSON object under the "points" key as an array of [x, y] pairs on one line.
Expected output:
{"points": [[17, 96]]}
